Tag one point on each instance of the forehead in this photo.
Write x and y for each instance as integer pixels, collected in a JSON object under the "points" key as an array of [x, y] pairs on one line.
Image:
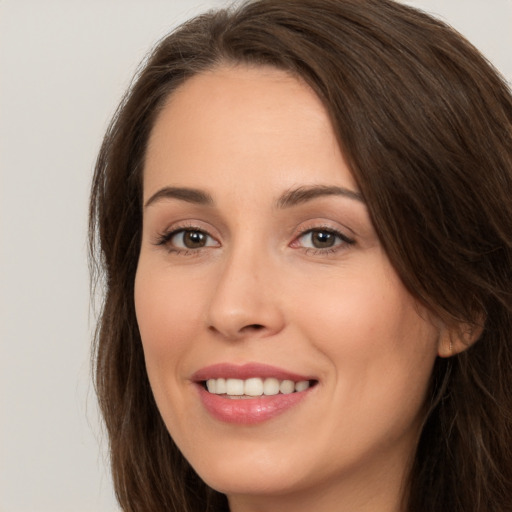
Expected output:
{"points": [[256, 120], [236, 88]]}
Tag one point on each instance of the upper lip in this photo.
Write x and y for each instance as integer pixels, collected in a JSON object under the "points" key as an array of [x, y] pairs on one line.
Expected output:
{"points": [[246, 371]]}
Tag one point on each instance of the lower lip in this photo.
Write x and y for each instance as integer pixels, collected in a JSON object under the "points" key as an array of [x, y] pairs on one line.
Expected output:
{"points": [[249, 411]]}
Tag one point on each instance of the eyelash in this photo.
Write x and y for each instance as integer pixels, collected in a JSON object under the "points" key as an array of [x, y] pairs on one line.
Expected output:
{"points": [[342, 241], [164, 239]]}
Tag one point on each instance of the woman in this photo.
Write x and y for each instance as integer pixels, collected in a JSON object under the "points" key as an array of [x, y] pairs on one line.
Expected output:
{"points": [[303, 215]]}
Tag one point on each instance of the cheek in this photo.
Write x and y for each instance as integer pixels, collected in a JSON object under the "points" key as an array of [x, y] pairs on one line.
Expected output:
{"points": [[381, 345], [357, 311], [167, 321], [165, 315]]}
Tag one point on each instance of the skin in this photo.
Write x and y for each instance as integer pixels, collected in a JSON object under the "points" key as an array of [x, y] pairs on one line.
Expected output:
{"points": [[260, 291]]}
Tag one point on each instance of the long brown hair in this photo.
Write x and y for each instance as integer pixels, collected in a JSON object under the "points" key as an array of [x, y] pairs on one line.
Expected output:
{"points": [[425, 124]]}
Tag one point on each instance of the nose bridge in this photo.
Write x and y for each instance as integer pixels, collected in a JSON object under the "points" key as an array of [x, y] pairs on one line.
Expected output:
{"points": [[243, 302]]}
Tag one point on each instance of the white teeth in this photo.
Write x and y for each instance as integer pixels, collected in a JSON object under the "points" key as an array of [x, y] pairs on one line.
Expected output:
{"points": [[287, 386], [299, 386], [255, 386], [234, 386], [211, 385], [271, 386], [220, 386]]}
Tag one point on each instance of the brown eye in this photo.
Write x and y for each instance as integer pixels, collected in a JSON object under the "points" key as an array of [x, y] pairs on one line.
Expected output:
{"points": [[194, 239], [191, 239], [319, 239], [322, 239]]}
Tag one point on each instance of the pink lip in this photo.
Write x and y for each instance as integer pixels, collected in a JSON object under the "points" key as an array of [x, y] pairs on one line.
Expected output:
{"points": [[246, 371], [247, 411]]}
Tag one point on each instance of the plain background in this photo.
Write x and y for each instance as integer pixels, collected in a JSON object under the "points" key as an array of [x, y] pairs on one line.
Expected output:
{"points": [[63, 68]]}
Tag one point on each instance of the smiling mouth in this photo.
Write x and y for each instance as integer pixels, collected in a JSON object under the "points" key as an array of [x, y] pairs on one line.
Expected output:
{"points": [[255, 387]]}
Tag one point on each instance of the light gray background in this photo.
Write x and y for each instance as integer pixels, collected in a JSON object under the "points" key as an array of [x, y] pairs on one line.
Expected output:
{"points": [[63, 67]]}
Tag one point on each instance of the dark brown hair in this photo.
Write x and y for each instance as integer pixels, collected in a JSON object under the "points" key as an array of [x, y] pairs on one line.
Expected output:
{"points": [[425, 124]]}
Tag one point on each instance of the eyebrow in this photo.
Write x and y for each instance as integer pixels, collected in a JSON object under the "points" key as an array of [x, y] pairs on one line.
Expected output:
{"points": [[304, 194], [190, 195], [290, 198]]}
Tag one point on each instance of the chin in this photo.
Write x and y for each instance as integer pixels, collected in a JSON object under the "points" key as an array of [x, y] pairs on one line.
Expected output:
{"points": [[240, 470], [253, 481]]}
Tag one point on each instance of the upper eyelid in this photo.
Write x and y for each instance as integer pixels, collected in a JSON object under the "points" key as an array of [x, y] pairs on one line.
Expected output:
{"points": [[190, 225], [332, 226], [338, 233], [300, 230]]}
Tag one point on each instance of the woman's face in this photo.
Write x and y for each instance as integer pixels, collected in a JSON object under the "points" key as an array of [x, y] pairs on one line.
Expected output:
{"points": [[260, 272]]}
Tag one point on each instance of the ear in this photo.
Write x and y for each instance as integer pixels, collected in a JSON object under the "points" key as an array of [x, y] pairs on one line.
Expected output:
{"points": [[456, 339]]}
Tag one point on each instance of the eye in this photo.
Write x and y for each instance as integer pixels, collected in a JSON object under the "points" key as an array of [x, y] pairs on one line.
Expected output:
{"points": [[322, 239], [191, 239], [187, 239]]}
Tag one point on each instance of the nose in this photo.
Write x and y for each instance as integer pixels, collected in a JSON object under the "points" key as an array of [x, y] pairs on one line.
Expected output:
{"points": [[246, 301]]}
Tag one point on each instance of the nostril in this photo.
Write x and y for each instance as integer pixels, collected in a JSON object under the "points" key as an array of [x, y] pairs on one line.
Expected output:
{"points": [[245, 329], [253, 327]]}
